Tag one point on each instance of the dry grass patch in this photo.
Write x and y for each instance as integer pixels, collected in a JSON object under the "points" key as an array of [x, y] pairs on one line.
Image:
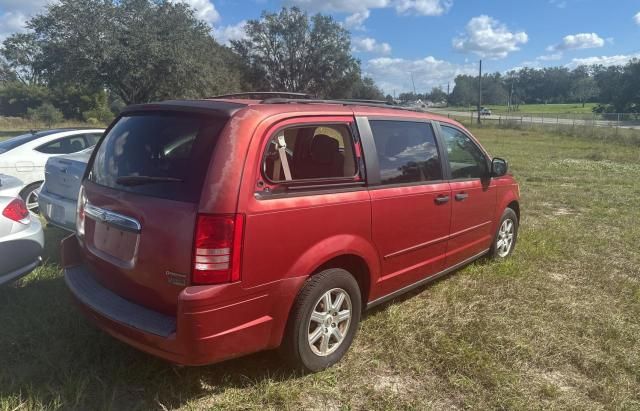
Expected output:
{"points": [[556, 326]]}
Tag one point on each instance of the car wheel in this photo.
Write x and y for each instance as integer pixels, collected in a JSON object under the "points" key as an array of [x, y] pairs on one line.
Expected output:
{"points": [[323, 321], [506, 236], [30, 196]]}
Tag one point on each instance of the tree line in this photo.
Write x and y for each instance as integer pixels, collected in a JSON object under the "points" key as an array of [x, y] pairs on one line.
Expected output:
{"points": [[86, 59], [614, 88]]}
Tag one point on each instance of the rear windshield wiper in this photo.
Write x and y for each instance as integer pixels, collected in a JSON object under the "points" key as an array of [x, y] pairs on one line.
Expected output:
{"points": [[140, 180]]}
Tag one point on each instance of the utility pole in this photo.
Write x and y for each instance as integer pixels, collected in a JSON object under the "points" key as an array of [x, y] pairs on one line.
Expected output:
{"points": [[448, 84], [414, 84], [480, 92], [510, 107]]}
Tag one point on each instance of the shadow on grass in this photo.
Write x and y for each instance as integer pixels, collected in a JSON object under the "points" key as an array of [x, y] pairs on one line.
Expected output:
{"points": [[52, 357], [482, 261]]}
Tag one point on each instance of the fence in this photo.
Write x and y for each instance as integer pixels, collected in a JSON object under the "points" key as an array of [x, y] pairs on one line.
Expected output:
{"points": [[623, 127]]}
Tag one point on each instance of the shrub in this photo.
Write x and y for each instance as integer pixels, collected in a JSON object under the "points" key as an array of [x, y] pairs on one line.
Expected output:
{"points": [[46, 113]]}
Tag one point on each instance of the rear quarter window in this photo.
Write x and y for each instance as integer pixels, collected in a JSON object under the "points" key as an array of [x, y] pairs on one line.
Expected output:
{"points": [[159, 154]]}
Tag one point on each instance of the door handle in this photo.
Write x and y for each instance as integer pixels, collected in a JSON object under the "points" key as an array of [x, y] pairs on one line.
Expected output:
{"points": [[461, 196], [442, 199]]}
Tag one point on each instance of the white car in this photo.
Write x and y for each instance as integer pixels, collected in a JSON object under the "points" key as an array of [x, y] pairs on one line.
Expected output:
{"points": [[21, 240], [25, 156]]}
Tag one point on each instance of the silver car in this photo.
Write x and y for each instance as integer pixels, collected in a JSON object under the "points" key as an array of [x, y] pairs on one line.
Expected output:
{"points": [[10, 186], [58, 195], [21, 240]]}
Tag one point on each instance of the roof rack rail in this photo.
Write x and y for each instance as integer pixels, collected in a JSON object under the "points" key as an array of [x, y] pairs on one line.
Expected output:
{"points": [[366, 103], [361, 100], [261, 95]]}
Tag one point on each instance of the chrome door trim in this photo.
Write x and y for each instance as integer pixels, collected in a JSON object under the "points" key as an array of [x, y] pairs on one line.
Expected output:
{"points": [[113, 219]]}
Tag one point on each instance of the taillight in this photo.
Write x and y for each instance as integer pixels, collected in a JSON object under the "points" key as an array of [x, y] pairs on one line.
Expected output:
{"points": [[17, 211], [217, 248], [82, 201]]}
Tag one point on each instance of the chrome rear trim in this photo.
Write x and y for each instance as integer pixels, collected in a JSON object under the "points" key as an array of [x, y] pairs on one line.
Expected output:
{"points": [[116, 220]]}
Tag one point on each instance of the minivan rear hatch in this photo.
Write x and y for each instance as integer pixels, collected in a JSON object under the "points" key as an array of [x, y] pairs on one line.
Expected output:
{"points": [[141, 200]]}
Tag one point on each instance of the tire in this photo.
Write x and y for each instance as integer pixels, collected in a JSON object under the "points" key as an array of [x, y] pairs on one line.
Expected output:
{"points": [[507, 230], [28, 194], [297, 347]]}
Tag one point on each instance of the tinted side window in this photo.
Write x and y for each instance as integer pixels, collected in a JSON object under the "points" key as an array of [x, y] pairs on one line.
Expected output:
{"points": [[310, 152], [466, 160], [66, 145], [407, 151]]}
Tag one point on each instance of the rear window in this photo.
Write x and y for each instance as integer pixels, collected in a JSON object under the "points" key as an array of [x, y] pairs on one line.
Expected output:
{"points": [[162, 155]]}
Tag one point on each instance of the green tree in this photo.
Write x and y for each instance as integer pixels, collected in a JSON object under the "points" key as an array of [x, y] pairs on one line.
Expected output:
{"points": [[584, 89], [290, 51], [47, 114], [140, 50], [16, 98], [437, 95], [366, 89], [22, 55]]}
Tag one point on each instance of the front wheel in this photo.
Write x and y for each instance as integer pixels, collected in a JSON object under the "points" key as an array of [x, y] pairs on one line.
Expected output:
{"points": [[323, 321], [505, 239]]}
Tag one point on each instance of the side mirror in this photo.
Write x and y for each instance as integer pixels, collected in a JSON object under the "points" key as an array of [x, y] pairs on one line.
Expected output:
{"points": [[499, 167]]}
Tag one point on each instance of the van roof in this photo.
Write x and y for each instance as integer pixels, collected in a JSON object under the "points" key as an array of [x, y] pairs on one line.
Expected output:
{"points": [[227, 106]]}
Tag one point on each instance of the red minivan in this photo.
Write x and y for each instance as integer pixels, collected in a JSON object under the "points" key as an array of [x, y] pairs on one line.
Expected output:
{"points": [[211, 229]]}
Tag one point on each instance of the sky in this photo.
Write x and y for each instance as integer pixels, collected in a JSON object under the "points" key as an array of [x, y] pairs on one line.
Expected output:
{"points": [[435, 40]]}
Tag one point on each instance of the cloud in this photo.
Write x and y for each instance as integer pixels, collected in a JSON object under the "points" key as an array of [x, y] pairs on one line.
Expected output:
{"points": [[341, 6], [419, 7], [369, 45], [11, 22], [487, 37], [578, 42], [617, 60], [224, 35], [636, 18], [14, 14], [395, 73], [423, 7], [550, 57], [356, 20], [205, 9]]}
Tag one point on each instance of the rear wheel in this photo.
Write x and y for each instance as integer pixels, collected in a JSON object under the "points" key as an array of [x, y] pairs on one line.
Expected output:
{"points": [[506, 236], [30, 196], [323, 321]]}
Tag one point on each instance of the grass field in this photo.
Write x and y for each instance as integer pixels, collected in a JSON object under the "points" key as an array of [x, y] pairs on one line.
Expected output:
{"points": [[538, 108], [555, 326]]}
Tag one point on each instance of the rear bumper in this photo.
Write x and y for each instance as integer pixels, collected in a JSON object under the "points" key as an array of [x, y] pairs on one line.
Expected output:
{"points": [[57, 210], [212, 323], [20, 252], [20, 272]]}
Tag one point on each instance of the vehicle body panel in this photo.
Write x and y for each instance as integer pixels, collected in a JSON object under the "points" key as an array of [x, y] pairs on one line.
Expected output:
{"points": [[21, 245], [27, 164], [399, 234], [410, 231], [58, 196], [10, 186]]}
